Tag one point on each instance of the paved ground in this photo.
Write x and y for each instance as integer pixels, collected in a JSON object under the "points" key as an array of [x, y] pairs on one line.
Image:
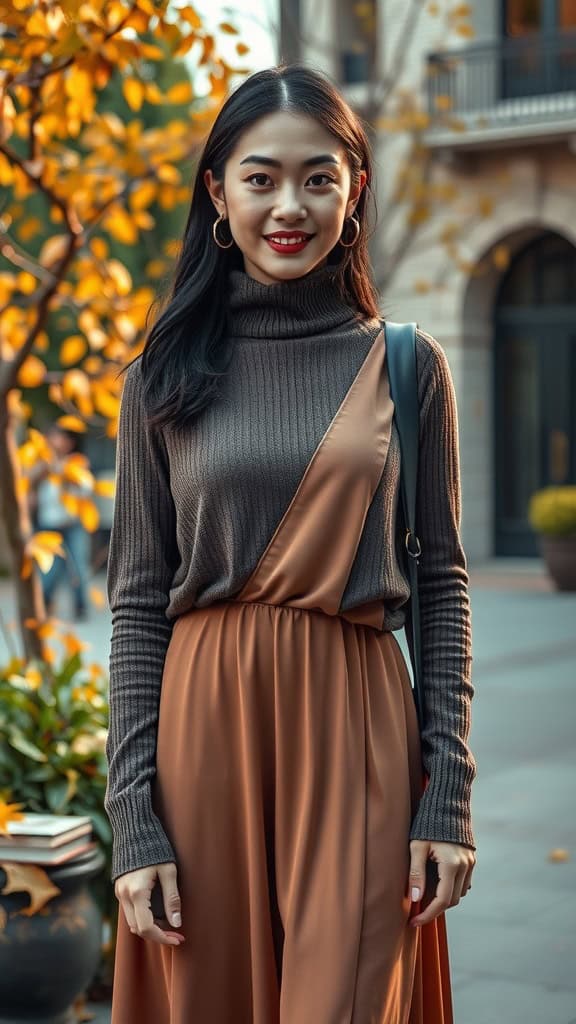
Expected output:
{"points": [[512, 940]]}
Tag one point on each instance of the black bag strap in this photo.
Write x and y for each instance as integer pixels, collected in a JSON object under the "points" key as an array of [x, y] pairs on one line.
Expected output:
{"points": [[401, 361]]}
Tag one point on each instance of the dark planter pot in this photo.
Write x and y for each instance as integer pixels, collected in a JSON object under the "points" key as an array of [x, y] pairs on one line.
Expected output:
{"points": [[48, 959], [559, 554]]}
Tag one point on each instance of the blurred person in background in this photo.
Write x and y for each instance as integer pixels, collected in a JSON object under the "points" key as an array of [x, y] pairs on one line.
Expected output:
{"points": [[48, 512]]}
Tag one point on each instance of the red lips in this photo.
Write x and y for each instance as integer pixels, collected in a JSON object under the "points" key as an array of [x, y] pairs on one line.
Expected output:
{"points": [[296, 241]]}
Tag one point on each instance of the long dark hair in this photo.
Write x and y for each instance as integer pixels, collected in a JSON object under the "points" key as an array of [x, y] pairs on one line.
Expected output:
{"points": [[185, 354]]}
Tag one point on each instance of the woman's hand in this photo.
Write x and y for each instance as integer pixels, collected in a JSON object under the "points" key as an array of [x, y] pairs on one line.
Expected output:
{"points": [[134, 892], [440, 875]]}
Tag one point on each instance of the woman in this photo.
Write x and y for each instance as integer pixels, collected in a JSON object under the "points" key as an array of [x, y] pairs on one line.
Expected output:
{"points": [[271, 834]]}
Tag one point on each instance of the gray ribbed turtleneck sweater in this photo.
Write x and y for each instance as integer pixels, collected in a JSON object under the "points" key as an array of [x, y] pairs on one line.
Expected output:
{"points": [[193, 513]]}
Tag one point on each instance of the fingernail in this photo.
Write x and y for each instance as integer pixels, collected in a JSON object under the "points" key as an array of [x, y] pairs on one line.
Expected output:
{"points": [[176, 920], [415, 894]]}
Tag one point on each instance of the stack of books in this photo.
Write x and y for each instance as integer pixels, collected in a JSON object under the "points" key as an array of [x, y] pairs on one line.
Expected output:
{"points": [[46, 838]]}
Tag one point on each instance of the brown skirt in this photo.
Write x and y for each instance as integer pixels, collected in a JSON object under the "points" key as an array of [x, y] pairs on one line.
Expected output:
{"points": [[288, 769], [288, 773]]}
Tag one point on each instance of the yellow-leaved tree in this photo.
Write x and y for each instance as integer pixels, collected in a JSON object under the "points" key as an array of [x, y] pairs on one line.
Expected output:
{"points": [[78, 184]]}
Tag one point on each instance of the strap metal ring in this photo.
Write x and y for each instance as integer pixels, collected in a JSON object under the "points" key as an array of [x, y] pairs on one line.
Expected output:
{"points": [[418, 551]]}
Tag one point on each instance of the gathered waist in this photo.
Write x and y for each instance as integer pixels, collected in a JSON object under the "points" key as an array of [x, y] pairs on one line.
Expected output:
{"points": [[371, 613]]}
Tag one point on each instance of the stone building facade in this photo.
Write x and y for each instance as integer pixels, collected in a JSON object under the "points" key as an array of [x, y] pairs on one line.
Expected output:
{"points": [[505, 308]]}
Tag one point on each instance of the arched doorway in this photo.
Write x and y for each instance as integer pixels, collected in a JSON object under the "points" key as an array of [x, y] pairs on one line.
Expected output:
{"points": [[535, 384]]}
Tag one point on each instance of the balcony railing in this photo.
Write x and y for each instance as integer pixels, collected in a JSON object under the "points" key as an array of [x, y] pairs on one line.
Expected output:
{"points": [[512, 82]]}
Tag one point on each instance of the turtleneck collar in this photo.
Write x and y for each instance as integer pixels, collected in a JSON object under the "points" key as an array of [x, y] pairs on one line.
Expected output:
{"points": [[287, 309]]}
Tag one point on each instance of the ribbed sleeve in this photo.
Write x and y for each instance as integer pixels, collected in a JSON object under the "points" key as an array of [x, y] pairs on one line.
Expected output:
{"points": [[142, 559], [195, 510], [444, 810]]}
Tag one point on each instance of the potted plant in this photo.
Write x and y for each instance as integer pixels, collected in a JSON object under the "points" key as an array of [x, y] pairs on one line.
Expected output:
{"points": [[552, 513], [54, 722]]}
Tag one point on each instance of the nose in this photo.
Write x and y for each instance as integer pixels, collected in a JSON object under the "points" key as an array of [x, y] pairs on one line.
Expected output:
{"points": [[288, 205]]}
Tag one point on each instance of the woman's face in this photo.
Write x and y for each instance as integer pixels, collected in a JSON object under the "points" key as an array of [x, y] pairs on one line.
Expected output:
{"points": [[287, 191]]}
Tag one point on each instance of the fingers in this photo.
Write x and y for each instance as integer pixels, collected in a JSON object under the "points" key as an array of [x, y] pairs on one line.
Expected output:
{"points": [[419, 850], [171, 896], [454, 866], [134, 891], [441, 900]]}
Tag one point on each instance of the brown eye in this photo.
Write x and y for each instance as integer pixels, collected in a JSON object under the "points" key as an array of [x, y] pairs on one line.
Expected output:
{"points": [[258, 179], [321, 179]]}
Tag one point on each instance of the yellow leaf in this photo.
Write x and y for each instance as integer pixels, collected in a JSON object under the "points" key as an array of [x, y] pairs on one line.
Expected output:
{"points": [[32, 372], [46, 629], [78, 84], [180, 93], [485, 206], [6, 173], [465, 30], [99, 248], [31, 879], [151, 52], [121, 226], [72, 645], [169, 174], [418, 215], [29, 228], [105, 488], [97, 597], [26, 283], [53, 250], [75, 383], [558, 856], [155, 268], [189, 15], [422, 287], [89, 515], [43, 546], [443, 102], [77, 472], [72, 349], [242, 49], [144, 220], [229, 29], [121, 276], [501, 257], [9, 812], [134, 91], [153, 94], [105, 402], [71, 503], [27, 566], [72, 423], [42, 343], [92, 365], [142, 195]]}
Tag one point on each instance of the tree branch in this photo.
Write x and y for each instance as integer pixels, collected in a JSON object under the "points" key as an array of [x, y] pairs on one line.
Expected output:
{"points": [[9, 369]]}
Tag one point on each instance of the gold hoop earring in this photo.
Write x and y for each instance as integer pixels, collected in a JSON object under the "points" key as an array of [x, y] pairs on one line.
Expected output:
{"points": [[356, 223], [221, 245]]}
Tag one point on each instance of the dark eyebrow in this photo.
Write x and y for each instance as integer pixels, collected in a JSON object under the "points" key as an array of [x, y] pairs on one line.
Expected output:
{"points": [[266, 161]]}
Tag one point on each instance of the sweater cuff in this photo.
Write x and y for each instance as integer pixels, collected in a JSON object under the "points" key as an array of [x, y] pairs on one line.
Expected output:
{"points": [[443, 813], [138, 837]]}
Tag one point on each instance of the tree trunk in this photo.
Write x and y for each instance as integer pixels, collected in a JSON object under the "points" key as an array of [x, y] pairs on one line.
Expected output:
{"points": [[30, 602]]}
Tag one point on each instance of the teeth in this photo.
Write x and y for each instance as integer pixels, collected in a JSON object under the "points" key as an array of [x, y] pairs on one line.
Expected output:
{"points": [[295, 240]]}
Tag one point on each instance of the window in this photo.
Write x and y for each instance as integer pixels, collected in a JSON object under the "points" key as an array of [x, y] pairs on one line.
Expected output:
{"points": [[523, 17], [567, 14], [357, 35]]}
